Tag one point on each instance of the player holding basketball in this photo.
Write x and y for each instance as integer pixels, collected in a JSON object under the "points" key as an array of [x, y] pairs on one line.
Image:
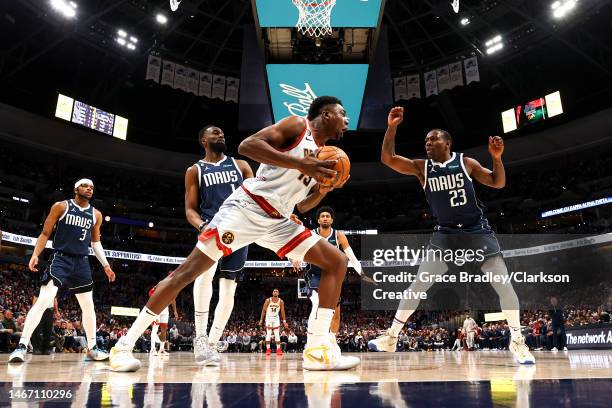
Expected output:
{"points": [[446, 178], [325, 219], [162, 323], [272, 308], [207, 184], [77, 225], [258, 212]]}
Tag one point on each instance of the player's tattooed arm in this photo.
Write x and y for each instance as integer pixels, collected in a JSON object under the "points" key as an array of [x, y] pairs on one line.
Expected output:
{"points": [[245, 169], [388, 157], [265, 145], [495, 178], [192, 197], [57, 210]]}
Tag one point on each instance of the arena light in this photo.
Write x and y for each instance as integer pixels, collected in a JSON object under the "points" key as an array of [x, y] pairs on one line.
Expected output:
{"points": [[22, 200], [151, 225], [562, 8], [494, 44], [131, 46], [465, 21], [121, 33], [161, 19], [67, 9], [494, 48], [133, 39], [121, 41]]}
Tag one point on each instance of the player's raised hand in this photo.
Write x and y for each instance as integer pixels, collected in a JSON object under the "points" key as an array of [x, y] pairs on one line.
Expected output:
{"points": [[33, 263], [496, 146], [295, 219], [318, 169], [396, 116], [109, 273]]}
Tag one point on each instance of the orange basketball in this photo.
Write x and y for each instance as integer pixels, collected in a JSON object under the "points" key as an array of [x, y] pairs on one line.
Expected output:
{"points": [[342, 167]]}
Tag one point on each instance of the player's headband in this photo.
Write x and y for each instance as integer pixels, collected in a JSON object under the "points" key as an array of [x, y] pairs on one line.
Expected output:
{"points": [[83, 181]]}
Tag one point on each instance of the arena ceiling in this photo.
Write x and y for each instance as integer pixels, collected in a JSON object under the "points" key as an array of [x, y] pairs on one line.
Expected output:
{"points": [[42, 53]]}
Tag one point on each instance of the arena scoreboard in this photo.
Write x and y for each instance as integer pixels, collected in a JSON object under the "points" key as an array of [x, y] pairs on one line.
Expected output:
{"points": [[533, 111], [89, 116]]}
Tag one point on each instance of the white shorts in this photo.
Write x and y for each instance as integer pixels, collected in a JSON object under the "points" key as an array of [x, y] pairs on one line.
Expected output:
{"points": [[164, 316], [245, 218], [273, 324]]}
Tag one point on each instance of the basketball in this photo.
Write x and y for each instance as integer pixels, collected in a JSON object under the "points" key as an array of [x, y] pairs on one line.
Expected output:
{"points": [[342, 167]]}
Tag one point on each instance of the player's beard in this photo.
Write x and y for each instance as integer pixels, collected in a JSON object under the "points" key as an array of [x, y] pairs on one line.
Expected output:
{"points": [[82, 197], [218, 147]]}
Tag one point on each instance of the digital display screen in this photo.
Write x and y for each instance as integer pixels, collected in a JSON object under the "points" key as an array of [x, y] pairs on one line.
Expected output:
{"points": [[93, 118], [89, 116], [345, 13], [294, 86], [63, 110], [532, 112]]}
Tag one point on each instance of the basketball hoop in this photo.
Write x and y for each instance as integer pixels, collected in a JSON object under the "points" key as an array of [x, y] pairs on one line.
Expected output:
{"points": [[315, 17]]}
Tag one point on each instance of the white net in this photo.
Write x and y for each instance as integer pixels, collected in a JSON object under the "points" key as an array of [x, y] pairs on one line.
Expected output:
{"points": [[315, 17]]}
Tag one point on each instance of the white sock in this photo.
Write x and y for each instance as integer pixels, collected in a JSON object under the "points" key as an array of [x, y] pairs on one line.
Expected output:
{"points": [[89, 317], [154, 336], [144, 320], [45, 297], [202, 293], [321, 323], [314, 298], [400, 319], [223, 311]]}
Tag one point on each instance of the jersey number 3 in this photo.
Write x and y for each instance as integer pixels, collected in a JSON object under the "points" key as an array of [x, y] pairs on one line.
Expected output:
{"points": [[84, 234], [457, 197]]}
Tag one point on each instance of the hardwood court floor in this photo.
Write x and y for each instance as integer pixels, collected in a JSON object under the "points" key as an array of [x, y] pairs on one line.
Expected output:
{"points": [[257, 368], [442, 379]]}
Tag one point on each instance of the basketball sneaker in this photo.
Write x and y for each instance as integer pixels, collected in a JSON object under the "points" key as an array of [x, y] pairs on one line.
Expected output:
{"points": [[123, 360], [322, 356], [268, 351], [279, 351], [204, 354], [19, 354], [520, 351], [96, 354], [386, 342], [334, 342]]}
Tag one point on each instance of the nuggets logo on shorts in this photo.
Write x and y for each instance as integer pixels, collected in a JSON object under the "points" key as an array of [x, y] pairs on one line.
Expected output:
{"points": [[227, 238]]}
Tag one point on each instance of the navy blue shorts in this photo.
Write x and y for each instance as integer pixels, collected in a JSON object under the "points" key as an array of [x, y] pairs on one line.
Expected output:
{"points": [[72, 273], [231, 265], [312, 277], [479, 237]]}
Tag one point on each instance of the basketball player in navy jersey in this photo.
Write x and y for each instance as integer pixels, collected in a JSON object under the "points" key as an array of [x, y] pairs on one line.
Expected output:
{"points": [[446, 178], [207, 184], [77, 225], [325, 219], [258, 212]]}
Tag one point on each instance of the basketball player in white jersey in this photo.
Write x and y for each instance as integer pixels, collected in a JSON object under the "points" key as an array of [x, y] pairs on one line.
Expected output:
{"points": [[162, 323], [272, 313], [259, 212]]}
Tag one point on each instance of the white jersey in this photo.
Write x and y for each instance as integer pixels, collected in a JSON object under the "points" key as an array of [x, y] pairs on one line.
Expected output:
{"points": [[273, 310], [284, 188]]}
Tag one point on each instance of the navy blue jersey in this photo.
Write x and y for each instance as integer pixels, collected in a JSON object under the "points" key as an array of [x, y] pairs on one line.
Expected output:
{"points": [[450, 194], [73, 230], [332, 239], [217, 181]]}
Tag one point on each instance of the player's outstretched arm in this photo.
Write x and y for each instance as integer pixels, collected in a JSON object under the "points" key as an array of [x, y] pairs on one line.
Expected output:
{"points": [[263, 311], [96, 246], [264, 146], [388, 157], [495, 178], [57, 210], [192, 198]]}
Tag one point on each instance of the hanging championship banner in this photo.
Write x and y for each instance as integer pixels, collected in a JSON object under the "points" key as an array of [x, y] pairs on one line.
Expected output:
{"points": [[413, 86], [205, 88], [431, 84], [399, 88], [153, 68], [218, 87], [456, 74], [471, 70], [168, 73]]}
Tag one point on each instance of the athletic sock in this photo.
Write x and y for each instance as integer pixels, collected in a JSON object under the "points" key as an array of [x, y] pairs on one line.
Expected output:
{"points": [[144, 320], [321, 324]]}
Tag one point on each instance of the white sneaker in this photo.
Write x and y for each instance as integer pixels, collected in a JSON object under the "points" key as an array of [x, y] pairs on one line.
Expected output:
{"points": [[564, 348], [554, 349], [386, 342], [324, 356], [123, 360], [19, 354], [334, 342], [520, 351], [204, 354], [96, 354]]}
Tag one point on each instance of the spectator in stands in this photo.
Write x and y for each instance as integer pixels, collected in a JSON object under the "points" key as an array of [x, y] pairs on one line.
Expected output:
{"points": [[557, 325], [231, 341], [292, 341], [457, 343], [58, 337], [10, 327]]}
